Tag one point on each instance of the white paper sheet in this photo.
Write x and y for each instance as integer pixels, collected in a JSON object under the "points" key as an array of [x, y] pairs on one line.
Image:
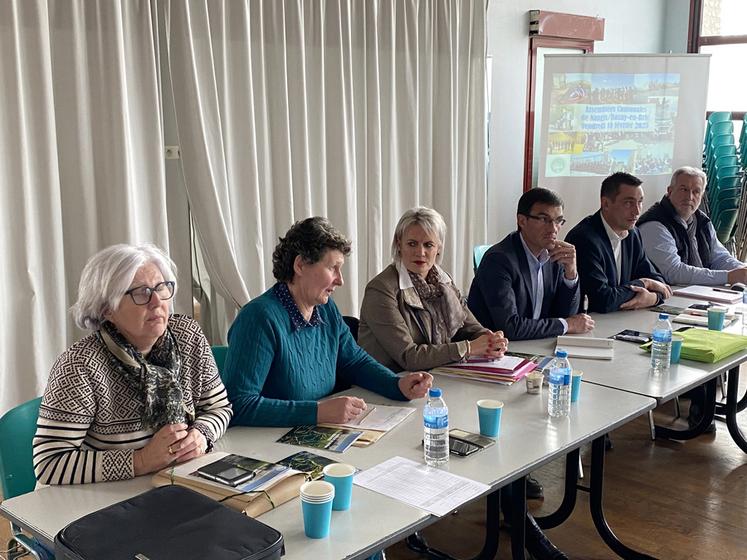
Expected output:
{"points": [[430, 489], [379, 418]]}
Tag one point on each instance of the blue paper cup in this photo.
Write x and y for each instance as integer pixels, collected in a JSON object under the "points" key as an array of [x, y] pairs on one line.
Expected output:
{"points": [[677, 341], [340, 476], [316, 505], [576, 385], [716, 316], [489, 413]]}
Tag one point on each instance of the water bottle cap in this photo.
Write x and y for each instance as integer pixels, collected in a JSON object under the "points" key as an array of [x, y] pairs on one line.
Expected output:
{"points": [[663, 316], [435, 392], [561, 353]]}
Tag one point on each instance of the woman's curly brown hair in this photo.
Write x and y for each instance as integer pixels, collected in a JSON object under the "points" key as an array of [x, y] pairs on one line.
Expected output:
{"points": [[311, 239]]}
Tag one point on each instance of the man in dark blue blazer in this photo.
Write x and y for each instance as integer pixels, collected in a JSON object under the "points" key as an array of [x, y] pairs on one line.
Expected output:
{"points": [[615, 272], [527, 285]]}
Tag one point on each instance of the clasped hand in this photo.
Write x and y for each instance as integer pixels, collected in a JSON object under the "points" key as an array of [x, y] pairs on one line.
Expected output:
{"points": [[173, 443]]}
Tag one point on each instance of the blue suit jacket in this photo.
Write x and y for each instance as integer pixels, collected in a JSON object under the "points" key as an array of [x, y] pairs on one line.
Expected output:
{"points": [[501, 293], [597, 269]]}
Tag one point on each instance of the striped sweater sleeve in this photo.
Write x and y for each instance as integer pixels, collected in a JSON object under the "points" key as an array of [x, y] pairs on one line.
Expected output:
{"points": [[66, 413]]}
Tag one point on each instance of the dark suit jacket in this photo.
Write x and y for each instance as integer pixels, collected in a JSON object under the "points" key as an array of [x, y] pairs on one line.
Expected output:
{"points": [[501, 294], [597, 269]]}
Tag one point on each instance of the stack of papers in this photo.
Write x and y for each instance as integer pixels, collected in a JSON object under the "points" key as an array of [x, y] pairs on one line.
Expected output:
{"points": [[587, 347], [708, 293], [505, 370], [700, 318]]}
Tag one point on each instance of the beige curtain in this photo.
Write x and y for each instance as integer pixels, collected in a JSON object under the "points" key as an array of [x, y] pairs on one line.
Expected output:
{"points": [[352, 110]]}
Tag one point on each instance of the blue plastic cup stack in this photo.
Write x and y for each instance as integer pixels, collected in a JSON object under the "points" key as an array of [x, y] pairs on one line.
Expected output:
{"points": [[316, 504]]}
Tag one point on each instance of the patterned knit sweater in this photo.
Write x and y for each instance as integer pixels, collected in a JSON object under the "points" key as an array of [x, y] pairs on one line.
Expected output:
{"points": [[275, 373], [89, 421]]}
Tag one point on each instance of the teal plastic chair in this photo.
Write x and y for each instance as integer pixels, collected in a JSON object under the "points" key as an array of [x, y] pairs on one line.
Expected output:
{"points": [[220, 353], [724, 224], [716, 116], [17, 429], [478, 253]]}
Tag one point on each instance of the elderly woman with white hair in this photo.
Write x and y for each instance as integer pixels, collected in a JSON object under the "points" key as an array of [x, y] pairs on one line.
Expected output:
{"points": [[413, 316], [142, 391]]}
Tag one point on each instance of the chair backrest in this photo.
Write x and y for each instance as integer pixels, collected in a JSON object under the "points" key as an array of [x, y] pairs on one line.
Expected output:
{"points": [[724, 224], [353, 323], [219, 353], [478, 253], [17, 429]]}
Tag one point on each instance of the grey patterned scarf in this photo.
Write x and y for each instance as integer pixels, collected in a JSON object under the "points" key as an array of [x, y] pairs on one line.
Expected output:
{"points": [[156, 378]]}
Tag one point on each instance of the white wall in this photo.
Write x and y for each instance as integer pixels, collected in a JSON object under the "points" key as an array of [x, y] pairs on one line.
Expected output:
{"points": [[632, 26]]}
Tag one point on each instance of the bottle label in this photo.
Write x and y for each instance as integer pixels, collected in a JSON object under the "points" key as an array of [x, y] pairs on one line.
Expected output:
{"points": [[436, 422]]}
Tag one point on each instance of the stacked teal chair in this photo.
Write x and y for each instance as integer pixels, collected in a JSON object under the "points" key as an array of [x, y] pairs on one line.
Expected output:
{"points": [[17, 429], [724, 224]]}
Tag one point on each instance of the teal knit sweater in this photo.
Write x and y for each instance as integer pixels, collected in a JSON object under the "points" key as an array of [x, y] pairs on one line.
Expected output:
{"points": [[274, 374]]}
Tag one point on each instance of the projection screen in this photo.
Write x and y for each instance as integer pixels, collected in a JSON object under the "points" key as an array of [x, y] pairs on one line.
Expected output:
{"points": [[643, 114]]}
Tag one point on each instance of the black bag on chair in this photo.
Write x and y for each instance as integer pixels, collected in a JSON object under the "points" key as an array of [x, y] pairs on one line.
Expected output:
{"points": [[164, 523]]}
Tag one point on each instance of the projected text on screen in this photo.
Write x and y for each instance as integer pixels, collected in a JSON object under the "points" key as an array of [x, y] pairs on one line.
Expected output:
{"points": [[602, 123]]}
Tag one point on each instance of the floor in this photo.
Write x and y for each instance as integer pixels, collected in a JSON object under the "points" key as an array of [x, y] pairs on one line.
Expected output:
{"points": [[673, 500]]}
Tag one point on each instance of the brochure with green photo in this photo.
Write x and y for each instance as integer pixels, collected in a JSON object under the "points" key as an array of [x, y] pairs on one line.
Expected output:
{"points": [[331, 439]]}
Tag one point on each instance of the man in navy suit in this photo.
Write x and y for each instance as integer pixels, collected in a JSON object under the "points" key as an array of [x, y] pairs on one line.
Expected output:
{"points": [[615, 272], [527, 285]]}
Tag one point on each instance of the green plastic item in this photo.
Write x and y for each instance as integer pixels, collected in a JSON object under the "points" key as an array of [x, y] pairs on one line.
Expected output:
{"points": [[477, 254], [219, 353], [17, 429], [708, 346]]}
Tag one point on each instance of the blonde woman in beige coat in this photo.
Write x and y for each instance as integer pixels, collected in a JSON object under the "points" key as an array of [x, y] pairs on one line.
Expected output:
{"points": [[413, 316]]}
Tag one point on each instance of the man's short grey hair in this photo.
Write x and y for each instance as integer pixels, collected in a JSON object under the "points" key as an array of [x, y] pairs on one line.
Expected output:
{"points": [[428, 219], [690, 172], [108, 275]]}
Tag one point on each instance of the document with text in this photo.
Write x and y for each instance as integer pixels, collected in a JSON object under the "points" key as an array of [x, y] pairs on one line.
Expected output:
{"points": [[430, 489]]}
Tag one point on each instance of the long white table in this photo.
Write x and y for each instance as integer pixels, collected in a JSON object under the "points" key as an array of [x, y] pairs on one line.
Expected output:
{"points": [[630, 371], [528, 440]]}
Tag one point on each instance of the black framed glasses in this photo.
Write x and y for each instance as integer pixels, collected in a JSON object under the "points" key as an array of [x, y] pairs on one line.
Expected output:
{"points": [[143, 294], [547, 220]]}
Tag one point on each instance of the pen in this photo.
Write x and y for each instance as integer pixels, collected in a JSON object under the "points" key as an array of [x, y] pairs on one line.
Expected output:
{"points": [[725, 290], [585, 305]]}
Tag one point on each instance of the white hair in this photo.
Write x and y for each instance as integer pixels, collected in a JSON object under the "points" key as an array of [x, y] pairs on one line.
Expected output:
{"points": [[428, 219], [108, 275], [690, 172]]}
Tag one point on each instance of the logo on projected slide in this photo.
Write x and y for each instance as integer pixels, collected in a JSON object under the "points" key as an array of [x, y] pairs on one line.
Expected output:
{"points": [[558, 165]]}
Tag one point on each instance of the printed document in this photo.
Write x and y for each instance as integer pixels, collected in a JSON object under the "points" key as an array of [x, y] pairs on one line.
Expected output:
{"points": [[419, 485]]}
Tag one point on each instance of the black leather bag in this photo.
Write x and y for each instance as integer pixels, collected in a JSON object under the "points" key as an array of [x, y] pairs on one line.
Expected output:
{"points": [[164, 523]]}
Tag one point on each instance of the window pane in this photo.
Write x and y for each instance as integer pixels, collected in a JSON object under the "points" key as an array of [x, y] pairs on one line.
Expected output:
{"points": [[727, 82], [724, 17]]}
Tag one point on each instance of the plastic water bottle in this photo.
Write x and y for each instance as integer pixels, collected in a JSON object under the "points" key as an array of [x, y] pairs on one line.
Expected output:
{"points": [[661, 348], [744, 310], [559, 380], [435, 429]]}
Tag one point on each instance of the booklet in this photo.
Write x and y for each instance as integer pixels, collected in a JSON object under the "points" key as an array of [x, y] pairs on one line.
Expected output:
{"points": [[309, 463], [242, 473], [378, 418], [587, 347], [321, 437]]}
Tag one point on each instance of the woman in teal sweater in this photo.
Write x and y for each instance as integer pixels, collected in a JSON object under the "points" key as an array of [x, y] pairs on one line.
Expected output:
{"points": [[289, 347]]}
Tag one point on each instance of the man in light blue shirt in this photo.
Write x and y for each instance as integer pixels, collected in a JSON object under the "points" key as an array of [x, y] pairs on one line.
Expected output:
{"points": [[680, 239]]}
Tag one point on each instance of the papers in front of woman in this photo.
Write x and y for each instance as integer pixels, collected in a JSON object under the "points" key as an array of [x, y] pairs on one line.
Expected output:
{"points": [[504, 371], [266, 475], [378, 418]]}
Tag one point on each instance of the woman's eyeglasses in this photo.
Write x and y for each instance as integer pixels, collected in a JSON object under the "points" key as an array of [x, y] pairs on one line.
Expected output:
{"points": [[143, 294]]}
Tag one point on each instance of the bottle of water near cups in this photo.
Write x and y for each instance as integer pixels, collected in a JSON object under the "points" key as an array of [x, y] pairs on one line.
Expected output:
{"points": [[661, 346], [435, 429], [559, 382]]}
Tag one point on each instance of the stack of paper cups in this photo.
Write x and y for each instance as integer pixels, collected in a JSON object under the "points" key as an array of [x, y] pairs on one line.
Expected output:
{"points": [[316, 504]]}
